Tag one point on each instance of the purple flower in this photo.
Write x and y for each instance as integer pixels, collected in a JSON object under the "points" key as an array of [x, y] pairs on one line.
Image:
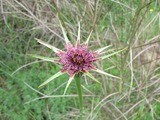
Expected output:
{"points": [[77, 59]]}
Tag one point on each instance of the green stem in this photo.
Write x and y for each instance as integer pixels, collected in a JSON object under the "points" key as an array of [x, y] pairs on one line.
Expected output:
{"points": [[79, 89]]}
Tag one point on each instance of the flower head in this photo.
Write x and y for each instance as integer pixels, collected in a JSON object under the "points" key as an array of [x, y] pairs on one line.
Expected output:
{"points": [[77, 59]]}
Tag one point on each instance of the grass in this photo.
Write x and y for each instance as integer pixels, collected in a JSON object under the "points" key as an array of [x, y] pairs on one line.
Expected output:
{"points": [[122, 24]]}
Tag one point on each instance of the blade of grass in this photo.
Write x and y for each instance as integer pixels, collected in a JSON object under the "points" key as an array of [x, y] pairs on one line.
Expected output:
{"points": [[23, 66]]}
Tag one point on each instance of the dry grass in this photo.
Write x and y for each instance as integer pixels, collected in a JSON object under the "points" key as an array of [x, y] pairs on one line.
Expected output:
{"points": [[116, 23]]}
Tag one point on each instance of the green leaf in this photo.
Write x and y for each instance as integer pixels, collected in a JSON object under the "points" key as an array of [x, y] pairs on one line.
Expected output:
{"points": [[51, 78], [107, 56], [68, 83], [78, 37], [43, 58], [87, 41], [102, 49], [56, 50], [102, 72], [64, 33], [86, 89], [92, 77]]}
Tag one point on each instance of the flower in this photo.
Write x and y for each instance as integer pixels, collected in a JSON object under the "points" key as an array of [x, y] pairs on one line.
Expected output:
{"points": [[77, 59]]}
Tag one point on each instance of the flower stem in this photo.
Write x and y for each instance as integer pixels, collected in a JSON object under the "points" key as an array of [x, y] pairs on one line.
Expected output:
{"points": [[79, 89]]}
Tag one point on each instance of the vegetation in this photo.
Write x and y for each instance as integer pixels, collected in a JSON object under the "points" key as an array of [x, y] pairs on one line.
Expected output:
{"points": [[133, 26]]}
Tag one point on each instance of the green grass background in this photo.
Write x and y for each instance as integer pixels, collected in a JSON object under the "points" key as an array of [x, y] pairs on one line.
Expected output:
{"points": [[17, 39]]}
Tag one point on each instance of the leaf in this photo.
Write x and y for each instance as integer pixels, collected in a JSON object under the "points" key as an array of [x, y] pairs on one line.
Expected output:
{"points": [[102, 72], [87, 41], [92, 77], [43, 58], [68, 83], [86, 89], [78, 37], [64, 33], [101, 49], [51, 78], [107, 56], [56, 50]]}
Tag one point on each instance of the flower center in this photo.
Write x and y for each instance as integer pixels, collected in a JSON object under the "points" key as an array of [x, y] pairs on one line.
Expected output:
{"points": [[77, 59]]}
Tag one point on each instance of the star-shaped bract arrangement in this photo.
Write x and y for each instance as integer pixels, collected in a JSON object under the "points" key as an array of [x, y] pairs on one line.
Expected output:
{"points": [[76, 59]]}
